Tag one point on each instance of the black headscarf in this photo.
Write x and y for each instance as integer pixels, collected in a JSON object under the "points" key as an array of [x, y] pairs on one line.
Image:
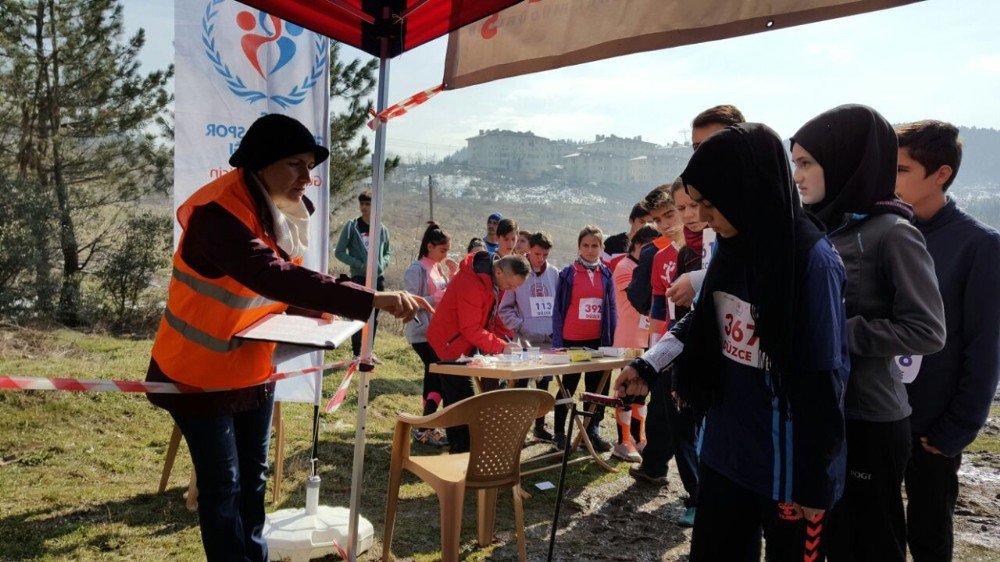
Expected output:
{"points": [[744, 172], [273, 137], [857, 149]]}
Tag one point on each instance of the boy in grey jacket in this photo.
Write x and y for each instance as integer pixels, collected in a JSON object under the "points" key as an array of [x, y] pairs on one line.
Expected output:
{"points": [[845, 168], [527, 310]]}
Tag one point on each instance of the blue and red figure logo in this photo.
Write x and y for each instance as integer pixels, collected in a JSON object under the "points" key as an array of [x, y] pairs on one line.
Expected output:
{"points": [[271, 27], [264, 34]]}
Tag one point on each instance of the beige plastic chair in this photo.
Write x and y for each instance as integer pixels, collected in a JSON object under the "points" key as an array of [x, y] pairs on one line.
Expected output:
{"points": [[498, 422]]}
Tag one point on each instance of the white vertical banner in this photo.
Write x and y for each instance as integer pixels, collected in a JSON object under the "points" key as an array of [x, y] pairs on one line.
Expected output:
{"points": [[233, 64]]}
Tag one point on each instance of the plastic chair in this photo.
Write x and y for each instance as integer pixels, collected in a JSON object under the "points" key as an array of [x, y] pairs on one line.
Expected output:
{"points": [[498, 422]]}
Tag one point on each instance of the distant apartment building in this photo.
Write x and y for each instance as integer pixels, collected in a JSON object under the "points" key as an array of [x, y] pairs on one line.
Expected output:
{"points": [[609, 159], [513, 152], [660, 166], [596, 167]]}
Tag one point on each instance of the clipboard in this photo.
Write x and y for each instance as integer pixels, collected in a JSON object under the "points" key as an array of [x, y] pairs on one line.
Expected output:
{"points": [[304, 331]]}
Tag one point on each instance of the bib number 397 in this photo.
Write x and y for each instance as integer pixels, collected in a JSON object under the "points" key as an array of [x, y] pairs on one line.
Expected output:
{"points": [[590, 309], [737, 330]]}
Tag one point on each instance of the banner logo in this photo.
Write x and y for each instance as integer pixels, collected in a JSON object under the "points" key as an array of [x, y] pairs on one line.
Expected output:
{"points": [[263, 35]]}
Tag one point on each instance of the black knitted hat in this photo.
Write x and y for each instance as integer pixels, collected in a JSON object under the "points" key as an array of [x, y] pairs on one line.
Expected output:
{"points": [[273, 137]]}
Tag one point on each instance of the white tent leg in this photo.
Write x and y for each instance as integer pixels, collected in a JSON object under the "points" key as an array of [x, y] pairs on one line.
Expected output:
{"points": [[371, 276]]}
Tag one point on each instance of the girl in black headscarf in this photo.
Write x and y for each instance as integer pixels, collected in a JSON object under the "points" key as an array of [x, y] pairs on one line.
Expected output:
{"points": [[845, 161], [765, 354]]}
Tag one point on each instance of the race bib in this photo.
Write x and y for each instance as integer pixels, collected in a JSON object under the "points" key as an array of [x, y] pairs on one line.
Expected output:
{"points": [[707, 245], [590, 309], [541, 307], [671, 310], [909, 365], [737, 329], [364, 239], [643, 322]]}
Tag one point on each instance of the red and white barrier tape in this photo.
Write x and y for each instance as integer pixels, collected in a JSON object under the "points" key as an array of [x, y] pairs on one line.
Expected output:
{"points": [[402, 107], [341, 393], [101, 385]]}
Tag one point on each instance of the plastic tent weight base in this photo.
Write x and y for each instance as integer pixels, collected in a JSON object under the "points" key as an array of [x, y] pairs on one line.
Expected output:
{"points": [[293, 534]]}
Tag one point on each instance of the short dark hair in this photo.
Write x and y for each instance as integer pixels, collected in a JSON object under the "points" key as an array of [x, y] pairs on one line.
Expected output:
{"points": [[506, 226], [933, 144], [524, 233], [638, 211], [432, 235], [517, 265], [721, 114], [658, 197], [540, 239], [365, 195], [590, 230], [644, 235], [474, 243], [676, 186]]}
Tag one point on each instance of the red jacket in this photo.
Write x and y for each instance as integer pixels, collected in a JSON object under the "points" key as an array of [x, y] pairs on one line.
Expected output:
{"points": [[466, 318]]}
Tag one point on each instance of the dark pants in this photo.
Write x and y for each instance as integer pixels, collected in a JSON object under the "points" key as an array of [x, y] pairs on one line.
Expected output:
{"points": [[432, 393], [591, 382], [731, 518], [672, 432], [868, 522], [931, 492], [356, 338], [540, 384], [230, 459], [456, 388]]}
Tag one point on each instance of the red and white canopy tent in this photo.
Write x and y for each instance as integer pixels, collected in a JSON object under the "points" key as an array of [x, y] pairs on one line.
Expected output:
{"points": [[516, 37]]}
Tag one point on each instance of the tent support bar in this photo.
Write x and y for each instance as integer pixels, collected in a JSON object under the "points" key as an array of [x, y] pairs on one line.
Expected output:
{"points": [[371, 277], [413, 8], [350, 10]]}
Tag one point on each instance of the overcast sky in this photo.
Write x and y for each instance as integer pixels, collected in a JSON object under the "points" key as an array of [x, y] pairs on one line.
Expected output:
{"points": [[934, 59]]}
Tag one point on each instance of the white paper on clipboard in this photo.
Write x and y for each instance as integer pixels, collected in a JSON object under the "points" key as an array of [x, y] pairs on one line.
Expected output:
{"points": [[301, 330]]}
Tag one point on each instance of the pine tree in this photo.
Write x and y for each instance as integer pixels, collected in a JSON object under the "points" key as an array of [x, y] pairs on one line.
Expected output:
{"points": [[75, 120], [351, 85]]}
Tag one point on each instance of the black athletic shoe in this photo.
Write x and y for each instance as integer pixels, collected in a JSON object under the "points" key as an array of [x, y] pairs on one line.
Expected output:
{"points": [[599, 444], [542, 434], [560, 441]]}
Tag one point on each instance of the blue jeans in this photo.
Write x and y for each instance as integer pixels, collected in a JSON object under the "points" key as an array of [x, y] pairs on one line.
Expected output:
{"points": [[230, 459]]}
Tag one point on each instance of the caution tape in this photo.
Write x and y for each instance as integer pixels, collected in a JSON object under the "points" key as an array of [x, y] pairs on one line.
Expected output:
{"points": [[338, 397], [402, 107], [102, 385]]}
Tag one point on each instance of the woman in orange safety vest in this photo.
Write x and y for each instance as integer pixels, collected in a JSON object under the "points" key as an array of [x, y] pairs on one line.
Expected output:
{"points": [[239, 259]]}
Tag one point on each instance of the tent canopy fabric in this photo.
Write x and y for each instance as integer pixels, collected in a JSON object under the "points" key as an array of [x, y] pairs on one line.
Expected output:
{"points": [[360, 23], [536, 36]]}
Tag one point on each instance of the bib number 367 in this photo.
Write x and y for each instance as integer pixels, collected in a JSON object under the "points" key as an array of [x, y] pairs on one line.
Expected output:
{"points": [[739, 339]]}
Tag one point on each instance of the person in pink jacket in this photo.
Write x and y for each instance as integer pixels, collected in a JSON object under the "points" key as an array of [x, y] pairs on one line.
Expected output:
{"points": [[428, 277]]}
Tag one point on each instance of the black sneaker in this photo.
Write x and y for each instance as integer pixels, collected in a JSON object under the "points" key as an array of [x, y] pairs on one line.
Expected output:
{"points": [[542, 434], [599, 444], [560, 441]]}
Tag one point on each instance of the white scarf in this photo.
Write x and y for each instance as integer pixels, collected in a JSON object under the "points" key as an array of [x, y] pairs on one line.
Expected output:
{"points": [[291, 224]]}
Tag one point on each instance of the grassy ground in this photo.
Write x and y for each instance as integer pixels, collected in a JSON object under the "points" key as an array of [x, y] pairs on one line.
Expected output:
{"points": [[78, 472]]}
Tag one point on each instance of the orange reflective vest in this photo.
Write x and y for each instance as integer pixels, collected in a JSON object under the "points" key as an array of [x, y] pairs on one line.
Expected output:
{"points": [[195, 342]]}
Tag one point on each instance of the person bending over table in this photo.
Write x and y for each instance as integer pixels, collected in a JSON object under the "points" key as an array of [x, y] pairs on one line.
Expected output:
{"points": [[466, 320], [239, 259]]}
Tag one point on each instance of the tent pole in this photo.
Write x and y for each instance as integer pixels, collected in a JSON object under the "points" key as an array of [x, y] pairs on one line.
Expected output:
{"points": [[371, 276]]}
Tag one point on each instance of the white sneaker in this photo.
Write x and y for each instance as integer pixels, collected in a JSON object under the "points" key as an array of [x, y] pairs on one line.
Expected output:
{"points": [[626, 452]]}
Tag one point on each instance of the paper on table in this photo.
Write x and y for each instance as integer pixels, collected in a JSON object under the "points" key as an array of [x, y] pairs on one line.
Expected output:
{"points": [[301, 330]]}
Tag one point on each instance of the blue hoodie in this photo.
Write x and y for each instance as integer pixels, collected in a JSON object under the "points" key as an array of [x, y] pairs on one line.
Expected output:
{"points": [[952, 393]]}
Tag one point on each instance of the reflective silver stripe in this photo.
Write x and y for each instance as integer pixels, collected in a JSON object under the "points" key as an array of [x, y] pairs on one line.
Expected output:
{"points": [[215, 292], [191, 333]]}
